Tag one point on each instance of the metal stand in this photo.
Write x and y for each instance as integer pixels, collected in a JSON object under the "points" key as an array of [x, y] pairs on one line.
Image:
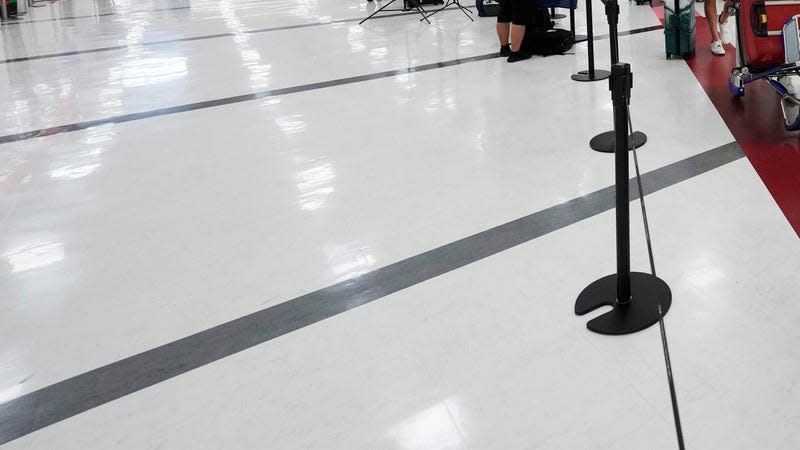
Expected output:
{"points": [[466, 12], [606, 142], [578, 37], [416, 7], [591, 74], [735, 12], [638, 299], [556, 16]]}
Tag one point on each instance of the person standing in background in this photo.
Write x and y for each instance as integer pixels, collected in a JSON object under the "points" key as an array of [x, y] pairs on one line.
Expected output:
{"points": [[718, 26], [513, 17]]}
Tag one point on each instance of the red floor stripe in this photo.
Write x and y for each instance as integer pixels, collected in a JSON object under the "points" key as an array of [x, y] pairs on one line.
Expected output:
{"points": [[755, 121]]}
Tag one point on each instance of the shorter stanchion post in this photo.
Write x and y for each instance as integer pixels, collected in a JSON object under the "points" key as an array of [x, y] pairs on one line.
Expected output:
{"points": [[578, 37], [634, 296], [604, 142], [591, 74]]}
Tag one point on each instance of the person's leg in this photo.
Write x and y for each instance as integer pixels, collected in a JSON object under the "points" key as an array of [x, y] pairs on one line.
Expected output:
{"points": [[517, 34], [722, 23], [713, 26], [503, 32], [503, 26], [725, 14], [711, 17], [523, 14]]}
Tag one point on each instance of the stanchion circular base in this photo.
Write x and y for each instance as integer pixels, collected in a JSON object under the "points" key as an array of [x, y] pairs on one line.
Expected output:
{"points": [[647, 293], [558, 16], [581, 38], [583, 75], [606, 142]]}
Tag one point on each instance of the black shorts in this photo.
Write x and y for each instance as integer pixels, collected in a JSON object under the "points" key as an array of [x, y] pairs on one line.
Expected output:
{"points": [[519, 12]]}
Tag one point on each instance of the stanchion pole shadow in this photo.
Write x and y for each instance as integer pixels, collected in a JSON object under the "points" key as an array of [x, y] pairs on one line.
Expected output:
{"points": [[634, 296]]}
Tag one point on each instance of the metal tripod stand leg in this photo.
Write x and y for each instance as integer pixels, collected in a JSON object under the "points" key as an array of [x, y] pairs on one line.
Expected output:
{"points": [[453, 2], [466, 12], [418, 8], [377, 11], [423, 13]]}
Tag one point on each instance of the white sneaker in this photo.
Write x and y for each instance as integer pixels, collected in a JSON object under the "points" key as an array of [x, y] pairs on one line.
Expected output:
{"points": [[717, 48], [724, 30]]}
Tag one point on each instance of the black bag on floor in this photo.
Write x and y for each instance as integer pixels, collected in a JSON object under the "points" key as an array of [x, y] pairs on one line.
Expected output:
{"points": [[488, 8], [550, 42], [541, 20]]}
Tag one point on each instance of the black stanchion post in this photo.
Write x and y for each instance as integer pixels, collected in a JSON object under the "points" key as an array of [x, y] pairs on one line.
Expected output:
{"points": [[578, 37], [604, 142], [612, 14], [634, 296], [621, 83], [591, 74]]}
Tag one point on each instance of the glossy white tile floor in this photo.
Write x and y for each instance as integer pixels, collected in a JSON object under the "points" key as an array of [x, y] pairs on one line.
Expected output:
{"points": [[123, 237]]}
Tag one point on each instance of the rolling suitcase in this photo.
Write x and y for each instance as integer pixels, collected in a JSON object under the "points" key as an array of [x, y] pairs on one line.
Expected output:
{"points": [[761, 25], [679, 28]]}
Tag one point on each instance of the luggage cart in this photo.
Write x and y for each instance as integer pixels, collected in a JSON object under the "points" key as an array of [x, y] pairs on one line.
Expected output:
{"points": [[768, 49]]}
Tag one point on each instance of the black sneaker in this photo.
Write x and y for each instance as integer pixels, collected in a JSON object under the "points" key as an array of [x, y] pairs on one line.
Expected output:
{"points": [[505, 50], [518, 56]]}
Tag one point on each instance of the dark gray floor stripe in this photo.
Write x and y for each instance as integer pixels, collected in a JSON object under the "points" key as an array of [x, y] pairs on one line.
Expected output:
{"points": [[90, 16], [116, 47], [237, 99], [194, 38], [73, 396]]}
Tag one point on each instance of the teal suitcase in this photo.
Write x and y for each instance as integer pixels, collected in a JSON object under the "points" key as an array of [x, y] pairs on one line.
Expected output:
{"points": [[679, 29]]}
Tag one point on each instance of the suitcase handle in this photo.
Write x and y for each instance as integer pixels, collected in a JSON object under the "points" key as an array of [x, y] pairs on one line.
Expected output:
{"points": [[758, 16], [758, 19]]}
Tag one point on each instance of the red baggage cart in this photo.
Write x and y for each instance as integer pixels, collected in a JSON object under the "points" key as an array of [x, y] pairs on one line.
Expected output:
{"points": [[761, 29], [768, 49]]}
